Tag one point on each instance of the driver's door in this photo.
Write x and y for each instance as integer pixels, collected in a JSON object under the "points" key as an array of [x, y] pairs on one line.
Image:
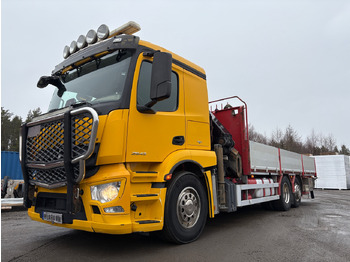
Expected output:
{"points": [[152, 137]]}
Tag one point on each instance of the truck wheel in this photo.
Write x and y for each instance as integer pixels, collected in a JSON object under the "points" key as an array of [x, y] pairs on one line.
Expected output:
{"points": [[186, 209], [285, 201], [297, 193]]}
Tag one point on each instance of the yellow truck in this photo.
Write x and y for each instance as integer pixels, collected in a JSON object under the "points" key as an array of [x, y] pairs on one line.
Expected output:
{"points": [[129, 145]]}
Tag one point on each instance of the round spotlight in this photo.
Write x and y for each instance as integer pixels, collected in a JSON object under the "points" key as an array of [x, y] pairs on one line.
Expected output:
{"points": [[91, 37], [81, 43], [73, 47], [103, 32], [66, 52]]}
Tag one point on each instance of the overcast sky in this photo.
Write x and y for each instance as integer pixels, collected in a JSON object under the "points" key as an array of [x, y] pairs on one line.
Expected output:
{"points": [[289, 60]]}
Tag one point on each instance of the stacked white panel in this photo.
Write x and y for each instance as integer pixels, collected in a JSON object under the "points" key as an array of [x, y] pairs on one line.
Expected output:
{"points": [[333, 172]]}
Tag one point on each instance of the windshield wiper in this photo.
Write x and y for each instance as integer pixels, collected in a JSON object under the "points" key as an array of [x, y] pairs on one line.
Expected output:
{"points": [[53, 80]]}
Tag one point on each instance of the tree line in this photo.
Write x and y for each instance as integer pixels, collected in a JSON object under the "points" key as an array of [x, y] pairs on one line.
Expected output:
{"points": [[289, 139], [10, 128]]}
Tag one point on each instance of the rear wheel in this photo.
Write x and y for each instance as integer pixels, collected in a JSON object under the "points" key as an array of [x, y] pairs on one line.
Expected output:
{"points": [[297, 193], [285, 201], [186, 209]]}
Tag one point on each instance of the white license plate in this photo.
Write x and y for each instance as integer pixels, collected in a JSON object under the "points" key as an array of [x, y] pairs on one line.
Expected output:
{"points": [[52, 217]]}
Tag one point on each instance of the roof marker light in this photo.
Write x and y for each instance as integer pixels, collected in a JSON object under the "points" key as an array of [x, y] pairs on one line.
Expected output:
{"points": [[81, 43], [103, 32], [128, 29], [91, 37]]}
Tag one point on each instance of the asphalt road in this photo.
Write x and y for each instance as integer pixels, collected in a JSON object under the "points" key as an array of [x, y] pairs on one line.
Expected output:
{"points": [[319, 230]]}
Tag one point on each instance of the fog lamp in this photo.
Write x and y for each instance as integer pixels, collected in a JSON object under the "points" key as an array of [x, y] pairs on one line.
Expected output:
{"points": [[91, 37], [103, 32], [116, 209], [73, 47], [66, 52], [81, 43], [105, 192]]}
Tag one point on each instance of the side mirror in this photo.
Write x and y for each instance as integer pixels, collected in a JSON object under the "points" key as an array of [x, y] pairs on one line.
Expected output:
{"points": [[53, 80], [161, 76], [43, 81]]}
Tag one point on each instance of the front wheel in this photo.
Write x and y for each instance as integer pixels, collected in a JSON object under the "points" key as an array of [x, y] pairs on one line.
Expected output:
{"points": [[186, 209]]}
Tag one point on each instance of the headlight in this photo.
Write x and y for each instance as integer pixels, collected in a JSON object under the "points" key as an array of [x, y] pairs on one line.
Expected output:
{"points": [[105, 192]]}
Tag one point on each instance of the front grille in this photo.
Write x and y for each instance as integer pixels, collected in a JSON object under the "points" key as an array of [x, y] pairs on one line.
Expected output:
{"points": [[45, 147], [45, 142], [51, 176]]}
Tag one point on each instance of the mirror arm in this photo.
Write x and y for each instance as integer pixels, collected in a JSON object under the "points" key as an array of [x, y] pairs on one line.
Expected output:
{"points": [[145, 109]]}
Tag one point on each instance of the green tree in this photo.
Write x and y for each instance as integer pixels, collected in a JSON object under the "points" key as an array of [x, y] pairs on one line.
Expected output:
{"points": [[256, 136], [5, 129], [277, 138], [291, 140], [10, 128], [32, 114], [344, 150], [15, 131]]}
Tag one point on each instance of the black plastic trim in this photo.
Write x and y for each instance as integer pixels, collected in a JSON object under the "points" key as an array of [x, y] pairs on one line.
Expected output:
{"points": [[68, 160], [96, 209], [145, 195], [44, 202], [146, 172], [158, 185], [148, 221], [190, 69], [26, 199], [184, 162], [178, 140]]}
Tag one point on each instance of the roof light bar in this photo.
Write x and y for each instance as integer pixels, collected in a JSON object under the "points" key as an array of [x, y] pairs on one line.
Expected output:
{"points": [[102, 33]]}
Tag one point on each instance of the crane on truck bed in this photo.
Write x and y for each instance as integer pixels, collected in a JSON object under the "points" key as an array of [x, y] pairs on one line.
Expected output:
{"points": [[129, 145]]}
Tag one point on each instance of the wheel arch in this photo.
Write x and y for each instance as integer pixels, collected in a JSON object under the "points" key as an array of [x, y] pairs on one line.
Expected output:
{"points": [[203, 174]]}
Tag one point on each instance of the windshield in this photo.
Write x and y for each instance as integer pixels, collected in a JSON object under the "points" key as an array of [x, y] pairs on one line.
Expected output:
{"points": [[100, 80]]}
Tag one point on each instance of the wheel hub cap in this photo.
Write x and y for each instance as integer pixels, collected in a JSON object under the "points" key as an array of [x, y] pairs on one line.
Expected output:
{"points": [[188, 207]]}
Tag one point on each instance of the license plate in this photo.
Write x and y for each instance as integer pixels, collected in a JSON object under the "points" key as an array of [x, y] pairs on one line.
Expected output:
{"points": [[52, 217]]}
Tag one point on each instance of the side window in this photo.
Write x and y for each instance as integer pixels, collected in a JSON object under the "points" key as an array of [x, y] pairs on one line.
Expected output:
{"points": [[144, 87]]}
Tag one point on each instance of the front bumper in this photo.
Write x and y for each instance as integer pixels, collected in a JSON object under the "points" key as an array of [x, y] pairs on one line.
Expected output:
{"points": [[147, 217]]}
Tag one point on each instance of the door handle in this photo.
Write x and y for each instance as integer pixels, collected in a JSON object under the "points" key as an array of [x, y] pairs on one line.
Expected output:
{"points": [[178, 140]]}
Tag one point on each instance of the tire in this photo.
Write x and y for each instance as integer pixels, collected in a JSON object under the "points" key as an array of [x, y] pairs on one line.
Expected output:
{"points": [[285, 201], [186, 209], [18, 192], [4, 186], [297, 193]]}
